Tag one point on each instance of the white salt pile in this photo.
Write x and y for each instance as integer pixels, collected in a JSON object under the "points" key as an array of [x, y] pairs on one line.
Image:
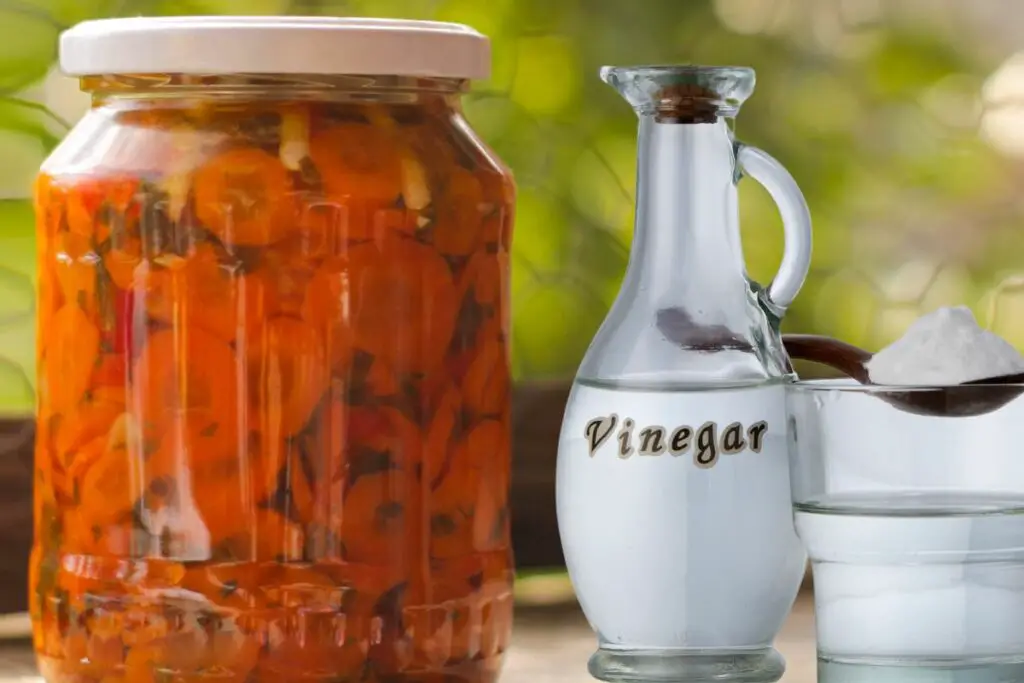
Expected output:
{"points": [[943, 348]]}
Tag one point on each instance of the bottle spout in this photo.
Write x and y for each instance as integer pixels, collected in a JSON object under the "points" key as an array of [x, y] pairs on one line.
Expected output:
{"points": [[682, 94]]}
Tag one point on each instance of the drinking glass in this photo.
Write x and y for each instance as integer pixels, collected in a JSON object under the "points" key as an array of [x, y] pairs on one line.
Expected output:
{"points": [[914, 525]]}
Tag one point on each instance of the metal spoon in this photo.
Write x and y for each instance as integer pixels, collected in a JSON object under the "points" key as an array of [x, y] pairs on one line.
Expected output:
{"points": [[961, 400]]}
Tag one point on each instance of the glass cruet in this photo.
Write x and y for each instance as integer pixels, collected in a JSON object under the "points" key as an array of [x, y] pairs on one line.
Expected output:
{"points": [[672, 481]]}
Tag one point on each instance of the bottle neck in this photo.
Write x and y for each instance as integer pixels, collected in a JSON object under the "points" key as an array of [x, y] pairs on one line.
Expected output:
{"points": [[687, 239]]}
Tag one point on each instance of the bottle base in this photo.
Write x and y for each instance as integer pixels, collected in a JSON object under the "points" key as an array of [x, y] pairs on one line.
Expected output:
{"points": [[748, 666]]}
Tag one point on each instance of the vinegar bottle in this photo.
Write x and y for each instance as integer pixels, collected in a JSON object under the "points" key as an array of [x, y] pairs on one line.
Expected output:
{"points": [[673, 481]]}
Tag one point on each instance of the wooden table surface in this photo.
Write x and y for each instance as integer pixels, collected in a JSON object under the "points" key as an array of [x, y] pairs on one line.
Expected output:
{"points": [[549, 645]]}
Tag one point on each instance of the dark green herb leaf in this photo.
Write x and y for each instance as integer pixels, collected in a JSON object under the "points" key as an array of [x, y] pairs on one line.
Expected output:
{"points": [[442, 525], [366, 461]]}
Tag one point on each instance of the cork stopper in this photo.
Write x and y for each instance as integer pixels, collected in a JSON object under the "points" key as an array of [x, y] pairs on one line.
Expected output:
{"points": [[686, 103], [682, 94]]}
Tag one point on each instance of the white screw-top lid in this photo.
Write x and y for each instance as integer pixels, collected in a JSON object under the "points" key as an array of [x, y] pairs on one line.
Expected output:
{"points": [[274, 45]]}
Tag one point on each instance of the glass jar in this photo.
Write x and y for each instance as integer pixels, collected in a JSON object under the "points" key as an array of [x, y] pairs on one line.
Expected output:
{"points": [[273, 368]]}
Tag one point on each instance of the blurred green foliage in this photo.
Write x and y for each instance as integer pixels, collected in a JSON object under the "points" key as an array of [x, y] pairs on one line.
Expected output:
{"points": [[876, 115]]}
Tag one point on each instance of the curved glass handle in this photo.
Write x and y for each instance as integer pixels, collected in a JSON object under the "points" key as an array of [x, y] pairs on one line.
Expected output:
{"points": [[796, 222]]}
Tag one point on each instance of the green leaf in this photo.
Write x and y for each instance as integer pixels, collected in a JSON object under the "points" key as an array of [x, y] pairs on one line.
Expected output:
{"points": [[26, 138], [17, 307], [67, 13], [552, 328], [28, 44], [33, 120]]}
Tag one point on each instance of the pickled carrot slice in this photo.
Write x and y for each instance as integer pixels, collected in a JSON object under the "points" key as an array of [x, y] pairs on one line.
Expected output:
{"points": [[288, 376], [451, 505], [484, 278], [245, 197], [122, 260], [483, 297], [201, 292], [85, 198], [91, 419], [374, 520], [445, 427], [110, 485], [327, 306], [119, 328], [193, 480], [486, 386], [75, 267], [460, 214], [488, 446], [186, 377], [404, 304], [381, 439], [72, 344], [111, 370], [283, 484], [498, 209], [361, 170], [285, 272]]}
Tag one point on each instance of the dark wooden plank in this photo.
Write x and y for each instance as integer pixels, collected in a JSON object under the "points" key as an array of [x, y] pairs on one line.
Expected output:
{"points": [[16, 440], [537, 410]]}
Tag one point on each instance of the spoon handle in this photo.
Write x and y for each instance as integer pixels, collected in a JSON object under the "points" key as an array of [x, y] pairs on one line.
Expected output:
{"points": [[847, 358]]}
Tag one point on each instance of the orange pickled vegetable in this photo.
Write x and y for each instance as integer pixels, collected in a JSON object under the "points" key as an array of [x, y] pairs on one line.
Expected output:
{"points": [[327, 306], [361, 171], [245, 197], [72, 345], [184, 370], [460, 214], [288, 375], [93, 419], [76, 270], [204, 293], [404, 303], [122, 260], [111, 484], [442, 434], [85, 199], [488, 443], [486, 384]]}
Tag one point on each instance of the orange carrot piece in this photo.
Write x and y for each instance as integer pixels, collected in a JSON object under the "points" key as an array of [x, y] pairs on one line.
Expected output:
{"points": [[91, 419], [404, 303], [288, 376], [327, 307], [76, 270], [460, 214], [487, 444], [486, 385], [121, 262], [186, 369], [72, 344], [202, 292], [361, 172], [112, 484], [245, 197]]}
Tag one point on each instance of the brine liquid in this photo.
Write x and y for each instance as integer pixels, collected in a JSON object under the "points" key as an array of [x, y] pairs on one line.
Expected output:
{"points": [[930, 580]]}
